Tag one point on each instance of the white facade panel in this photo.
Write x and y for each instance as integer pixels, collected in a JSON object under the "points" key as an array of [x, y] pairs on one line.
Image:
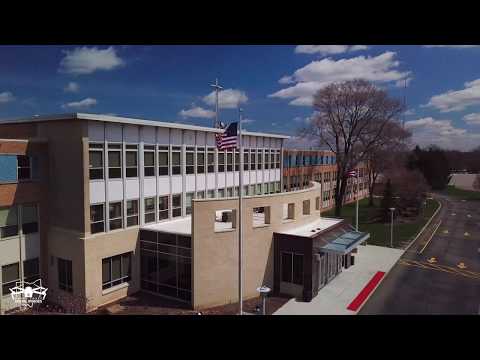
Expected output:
{"points": [[9, 253], [266, 142], [113, 132], [31, 246], [149, 187], [115, 190], [176, 137], [259, 176], [163, 136], [211, 181], [229, 179], [148, 135], [266, 176], [201, 182], [189, 137], [201, 138], [259, 141], [253, 177], [130, 133], [190, 183], [253, 141], [246, 178], [176, 184], [164, 185], [96, 131], [97, 192], [210, 139], [273, 175], [277, 175], [132, 188], [221, 180]]}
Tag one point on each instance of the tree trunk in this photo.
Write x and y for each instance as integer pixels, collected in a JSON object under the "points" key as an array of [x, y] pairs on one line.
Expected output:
{"points": [[339, 197]]}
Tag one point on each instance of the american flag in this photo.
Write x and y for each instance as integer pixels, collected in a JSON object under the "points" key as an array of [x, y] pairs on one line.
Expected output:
{"points": [[229, 138], [352, 173]]}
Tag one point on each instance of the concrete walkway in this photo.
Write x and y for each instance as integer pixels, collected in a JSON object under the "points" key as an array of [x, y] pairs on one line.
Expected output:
{"points": [[334, 298]]}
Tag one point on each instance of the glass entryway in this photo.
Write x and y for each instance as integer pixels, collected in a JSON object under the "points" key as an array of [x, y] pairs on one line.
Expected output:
{"points": [[330, 266]]}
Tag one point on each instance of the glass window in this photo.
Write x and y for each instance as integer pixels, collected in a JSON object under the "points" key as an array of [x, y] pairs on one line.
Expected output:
{"points": [[287, 264], [8, 222], [29, 219], [190, 168], [188, 202], [10, 275], [176, 160], [31, 270], [116, 216], [221, 193], [114, 161], [23, 167], [246, 158], [237, 160], [211, 194], [97, 218], [200, 195], [132, 212], [259, 159], [116, 270], [267, 159], [261, 216], [132, 160], [148, 161], [150, 210], [200, 160], [252, 190], [163, 207], [229, 160], [245, 190], [298, 269], [65, 275], [96, 161], [317, 203], [176, 205], [163, 160], [211, 160], [252, 159], [259, 189], [229, 192]]}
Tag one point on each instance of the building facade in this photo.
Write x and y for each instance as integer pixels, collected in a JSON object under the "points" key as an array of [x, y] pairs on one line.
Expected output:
{"points": [[123, 205]]}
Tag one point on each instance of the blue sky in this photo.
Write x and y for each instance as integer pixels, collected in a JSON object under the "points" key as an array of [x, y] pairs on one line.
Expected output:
{"points": [[273, 84]]}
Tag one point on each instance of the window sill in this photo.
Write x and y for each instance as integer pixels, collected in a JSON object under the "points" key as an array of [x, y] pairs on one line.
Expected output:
{"points": [[115, 288], [224, 231], [260, 226]]}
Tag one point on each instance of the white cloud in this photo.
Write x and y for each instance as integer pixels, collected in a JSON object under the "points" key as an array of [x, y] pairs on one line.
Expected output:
{"points": [[457, 100], [247, 121], [227, 99], [83, 104], [472, 119], [197, 112], [71, 87], [452, 46], [427, 131], [6, 97], [410, 112], [318, 74], [328, 49], [86, 60]]}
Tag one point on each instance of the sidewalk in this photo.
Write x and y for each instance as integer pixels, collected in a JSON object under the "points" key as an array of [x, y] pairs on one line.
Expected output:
{"points": [[334, 298]]}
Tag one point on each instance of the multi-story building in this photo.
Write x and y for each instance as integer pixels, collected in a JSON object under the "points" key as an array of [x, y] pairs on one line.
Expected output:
{"points": [[122, 205]]}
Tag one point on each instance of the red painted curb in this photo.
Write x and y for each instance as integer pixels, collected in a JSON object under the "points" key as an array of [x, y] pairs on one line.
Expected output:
{"points": [[362, 296]]}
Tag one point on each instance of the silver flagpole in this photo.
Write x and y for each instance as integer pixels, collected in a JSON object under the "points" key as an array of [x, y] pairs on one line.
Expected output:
{"points": [[356, 205], [217, 89], [240, 213]]}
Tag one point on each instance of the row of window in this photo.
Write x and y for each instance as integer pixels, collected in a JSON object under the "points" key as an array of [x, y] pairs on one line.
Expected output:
{"points": [[15, 168], [290, 160], [11, 274], [167, 160], [18, 218]]}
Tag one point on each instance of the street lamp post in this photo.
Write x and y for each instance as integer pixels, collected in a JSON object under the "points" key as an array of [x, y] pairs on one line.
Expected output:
{"points": [[391, 228], [263, 290]]}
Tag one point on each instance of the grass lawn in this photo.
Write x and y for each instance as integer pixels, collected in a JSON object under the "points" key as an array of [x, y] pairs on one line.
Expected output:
{"points": [[379, 232], [462, 194]]}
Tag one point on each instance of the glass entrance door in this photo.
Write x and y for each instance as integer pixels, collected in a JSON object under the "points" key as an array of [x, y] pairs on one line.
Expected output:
{"points": [[330, 266]]}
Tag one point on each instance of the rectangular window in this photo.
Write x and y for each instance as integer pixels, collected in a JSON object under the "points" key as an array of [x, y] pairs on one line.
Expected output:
{"points": [[24, 171], [237, 160], [277, 159], [163, 160], [253, 158], [259, 189], [261, 216], [317, 203], [272, 188], [221, 161], [252, 190], [306, 207], [31, 270], [150, 210], [267, 159], [230, 192], [163, 208], [116, 270], [8, 222], [149, 160], [200, 195], [29, 218], [221, 193], [188, 202], [96, 161], [65, 281], [288, 211], [116, 215], [259, 159], [245, 190], [211, 160], [132, 212], [225, 220], [114, 161], [176, 205], [246, 158], [97, 218], [292, 268], [190, 166], [131, 160], [176, 160], [229, 160], [200, 160], [10, 275]]}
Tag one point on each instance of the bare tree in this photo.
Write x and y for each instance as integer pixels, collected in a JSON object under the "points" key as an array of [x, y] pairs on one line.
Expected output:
{"points": [[351, 117], [476, 182]]}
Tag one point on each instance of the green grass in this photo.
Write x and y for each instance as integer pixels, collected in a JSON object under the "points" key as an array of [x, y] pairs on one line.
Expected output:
{"points": [[380, 232], [462, 194]]}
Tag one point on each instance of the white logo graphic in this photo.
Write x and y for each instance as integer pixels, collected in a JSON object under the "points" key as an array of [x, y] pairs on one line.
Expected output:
{"points": [[26, 294]]}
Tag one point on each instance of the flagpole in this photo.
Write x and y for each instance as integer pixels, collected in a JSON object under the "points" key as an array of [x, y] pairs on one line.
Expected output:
{"points": [[217, 89], [240, 213], [356, 205]]}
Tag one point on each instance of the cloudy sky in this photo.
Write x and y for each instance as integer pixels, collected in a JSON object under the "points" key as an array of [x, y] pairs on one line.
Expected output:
{"points": [[273, 84]]}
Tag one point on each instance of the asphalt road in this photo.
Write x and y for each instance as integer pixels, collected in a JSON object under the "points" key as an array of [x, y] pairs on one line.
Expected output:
{"points": [[445, 277]]}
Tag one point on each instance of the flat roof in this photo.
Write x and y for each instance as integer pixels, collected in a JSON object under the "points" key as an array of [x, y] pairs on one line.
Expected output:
{"points": [[127, 120], [312, 228], [182, 226]]}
